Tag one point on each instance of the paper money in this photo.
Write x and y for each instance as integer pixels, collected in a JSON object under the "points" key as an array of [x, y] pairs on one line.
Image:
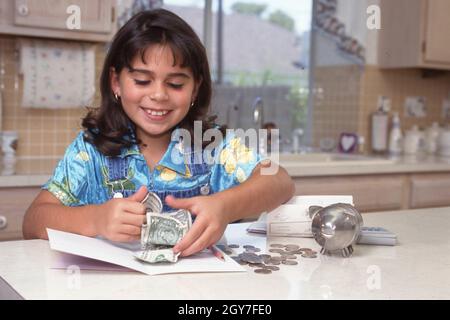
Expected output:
{"points": [[161, 231], [155, 254]]}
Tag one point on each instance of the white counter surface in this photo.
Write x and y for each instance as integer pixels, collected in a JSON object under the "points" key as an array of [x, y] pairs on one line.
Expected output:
{"points": [[417, 268], [412, 164]]}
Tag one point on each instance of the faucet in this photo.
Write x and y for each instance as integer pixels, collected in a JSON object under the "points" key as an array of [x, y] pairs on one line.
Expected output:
{"points": [[296, 138], [258, 113], [258, 120]]}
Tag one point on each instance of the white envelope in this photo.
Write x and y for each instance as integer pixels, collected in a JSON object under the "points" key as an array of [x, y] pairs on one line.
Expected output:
{"points": [[292, 219]]}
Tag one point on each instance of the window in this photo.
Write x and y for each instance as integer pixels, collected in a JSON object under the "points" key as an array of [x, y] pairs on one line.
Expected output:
{"points": [[262, 50]]}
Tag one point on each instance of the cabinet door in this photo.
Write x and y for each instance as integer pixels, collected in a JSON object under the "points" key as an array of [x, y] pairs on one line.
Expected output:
{"points": [[370, 193], [437, 31], [95, 15], [430, 190], [13, 204]]}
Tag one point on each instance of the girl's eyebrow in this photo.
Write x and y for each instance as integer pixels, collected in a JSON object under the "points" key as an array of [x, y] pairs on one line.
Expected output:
{"points": [[151, 73]]}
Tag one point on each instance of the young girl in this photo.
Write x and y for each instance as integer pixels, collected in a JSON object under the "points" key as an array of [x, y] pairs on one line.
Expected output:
{"points": [[155, 82]]}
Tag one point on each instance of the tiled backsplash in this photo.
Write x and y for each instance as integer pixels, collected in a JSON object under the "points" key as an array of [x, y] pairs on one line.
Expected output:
{"points": [[346, 96], [43, 133]]}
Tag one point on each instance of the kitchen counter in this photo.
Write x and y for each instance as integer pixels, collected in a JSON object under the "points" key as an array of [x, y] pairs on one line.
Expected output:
{"points": [[31, 173], [367, 165], [417, 268]]}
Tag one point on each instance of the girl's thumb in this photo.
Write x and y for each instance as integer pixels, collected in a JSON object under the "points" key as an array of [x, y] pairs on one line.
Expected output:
{"points": [[177, 203], [139, 195]]}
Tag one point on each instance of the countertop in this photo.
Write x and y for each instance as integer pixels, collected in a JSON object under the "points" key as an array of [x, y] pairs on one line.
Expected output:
{"points": [[36, 172], [417, 268]]}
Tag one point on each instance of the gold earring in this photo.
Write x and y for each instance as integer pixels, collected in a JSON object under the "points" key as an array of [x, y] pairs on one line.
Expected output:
{"points": [[116, 96]]}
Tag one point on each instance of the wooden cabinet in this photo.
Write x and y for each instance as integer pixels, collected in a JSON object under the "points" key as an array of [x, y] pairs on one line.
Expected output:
{"points": [[430, 190], [53, 19], [383, 192], [414, 33], [13, 204], [370, 193]]}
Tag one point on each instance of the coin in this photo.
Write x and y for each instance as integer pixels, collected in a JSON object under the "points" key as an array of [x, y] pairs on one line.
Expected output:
{"points": [[291, 256], [277, 245], [233, 246], [291, 247], [248, 246], [274, 262], [273, 268], [265, 256], [289, 262], [263, 271], [276, 250], [309, 255], [256, 265]]}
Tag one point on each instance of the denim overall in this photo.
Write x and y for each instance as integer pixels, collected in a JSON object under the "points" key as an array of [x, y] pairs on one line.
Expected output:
{"points": [[118, 176]]}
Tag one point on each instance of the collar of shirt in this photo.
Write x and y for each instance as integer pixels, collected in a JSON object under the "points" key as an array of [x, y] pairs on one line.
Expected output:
{"points": [[175, 157]]}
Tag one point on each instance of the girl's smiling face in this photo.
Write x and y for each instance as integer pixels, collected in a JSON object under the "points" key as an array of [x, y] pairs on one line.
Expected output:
{"points": [[155, 93]]}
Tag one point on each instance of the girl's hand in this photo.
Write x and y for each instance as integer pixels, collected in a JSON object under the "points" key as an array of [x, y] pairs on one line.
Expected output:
{"points": [[121, 219], [210, 222]]}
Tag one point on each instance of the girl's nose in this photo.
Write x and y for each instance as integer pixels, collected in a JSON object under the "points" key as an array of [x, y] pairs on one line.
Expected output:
{"points": [[158, 93]]}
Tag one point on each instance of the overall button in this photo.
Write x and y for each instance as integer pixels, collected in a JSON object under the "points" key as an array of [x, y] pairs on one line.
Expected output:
{"points": [[204, 190]]}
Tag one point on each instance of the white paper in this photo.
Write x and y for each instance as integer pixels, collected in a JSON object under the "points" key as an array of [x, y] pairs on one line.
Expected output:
{"points": [[292, 219], [122, 255]]}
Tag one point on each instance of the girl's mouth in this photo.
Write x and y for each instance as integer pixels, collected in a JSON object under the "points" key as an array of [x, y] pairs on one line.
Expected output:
{"points": [[156, 115]]}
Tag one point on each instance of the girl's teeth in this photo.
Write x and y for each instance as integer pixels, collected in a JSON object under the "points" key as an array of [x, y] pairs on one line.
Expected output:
{"points": [[157, 113]]}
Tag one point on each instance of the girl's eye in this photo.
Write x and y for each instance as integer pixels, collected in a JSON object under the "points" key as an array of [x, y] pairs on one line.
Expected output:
{"points": [[176, 85], [141, 82]]}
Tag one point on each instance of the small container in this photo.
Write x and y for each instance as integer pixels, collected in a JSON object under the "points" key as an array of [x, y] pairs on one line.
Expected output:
{"points": [[413, 142], [431, 138], [380, 123], [395, 136]]}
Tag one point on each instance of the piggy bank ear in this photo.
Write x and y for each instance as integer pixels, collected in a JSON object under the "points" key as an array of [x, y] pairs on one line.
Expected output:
{"points": [[313, 210]]}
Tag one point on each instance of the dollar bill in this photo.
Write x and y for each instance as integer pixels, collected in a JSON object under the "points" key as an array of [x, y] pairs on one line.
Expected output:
{"points": [[161, 231], [167, 228], [156, 254]]}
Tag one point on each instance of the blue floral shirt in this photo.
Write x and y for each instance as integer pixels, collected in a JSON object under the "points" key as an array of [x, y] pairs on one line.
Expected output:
{"points": [[85, 176]]}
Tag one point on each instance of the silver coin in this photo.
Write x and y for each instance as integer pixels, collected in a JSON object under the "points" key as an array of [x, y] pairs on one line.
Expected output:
{"points": [[289, 262], [256, 265], [312, 256], [263, 271], [253, 249], [274, 262], [265, 256], [248, 246], [277, 245], [273, 268], [291, 247], [234, 246], [276, 250], [290, 256]]}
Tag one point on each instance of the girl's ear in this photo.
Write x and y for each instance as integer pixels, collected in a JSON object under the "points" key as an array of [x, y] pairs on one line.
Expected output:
{"points": [[114, 81]]}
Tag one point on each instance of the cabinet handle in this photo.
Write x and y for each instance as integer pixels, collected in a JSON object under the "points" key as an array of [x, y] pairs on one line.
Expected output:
{"points": [[3, 222], [23, 10]]}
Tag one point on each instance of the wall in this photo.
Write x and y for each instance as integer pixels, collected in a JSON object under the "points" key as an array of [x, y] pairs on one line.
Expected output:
{"points": [[43, 134], [349, 92]]}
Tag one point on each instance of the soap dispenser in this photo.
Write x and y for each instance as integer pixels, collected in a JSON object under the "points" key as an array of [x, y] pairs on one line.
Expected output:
{"points": [[380, 123], [395, 136]]}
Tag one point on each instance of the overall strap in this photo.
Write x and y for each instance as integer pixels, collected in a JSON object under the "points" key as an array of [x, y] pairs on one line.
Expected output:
{"points": [[117, 174]]}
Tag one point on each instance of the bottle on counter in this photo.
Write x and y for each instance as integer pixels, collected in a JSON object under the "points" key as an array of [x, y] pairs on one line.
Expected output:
{"points": [[431, 138], [380, 122], [395, 136], [413, 141]]}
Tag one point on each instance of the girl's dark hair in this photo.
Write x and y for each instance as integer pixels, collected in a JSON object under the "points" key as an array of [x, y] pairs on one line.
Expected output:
{"points": [[108, 127]]}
